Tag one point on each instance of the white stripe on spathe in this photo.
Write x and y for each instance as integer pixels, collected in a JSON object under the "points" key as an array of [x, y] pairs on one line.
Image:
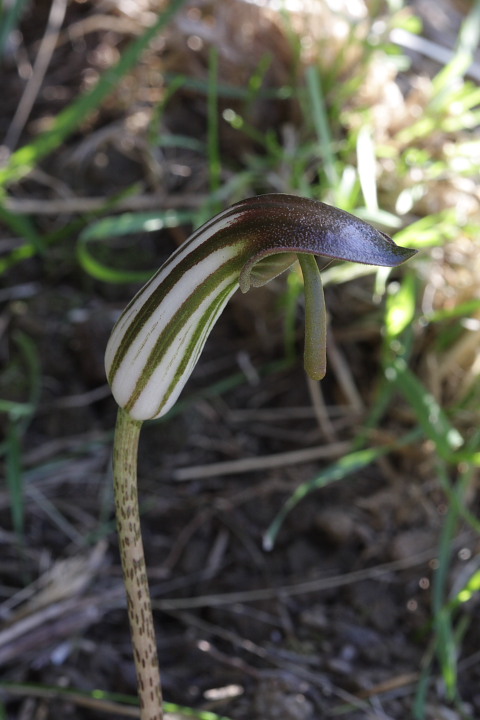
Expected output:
{"points": [[165, 383], [202, 235], [133, 365]]}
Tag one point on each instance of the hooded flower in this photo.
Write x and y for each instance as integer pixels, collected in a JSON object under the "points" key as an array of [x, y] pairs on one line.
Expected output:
{"points": [[157, 340]]}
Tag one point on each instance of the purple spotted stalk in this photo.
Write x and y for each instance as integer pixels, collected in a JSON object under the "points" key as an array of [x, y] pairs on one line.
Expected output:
{"points": [[157, 341]]}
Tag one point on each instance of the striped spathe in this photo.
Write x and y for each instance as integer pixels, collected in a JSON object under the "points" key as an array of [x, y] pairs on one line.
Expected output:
{"points": [[157, 340]]}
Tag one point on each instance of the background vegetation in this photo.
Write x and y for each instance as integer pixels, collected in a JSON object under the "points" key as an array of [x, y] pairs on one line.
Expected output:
{"points": [[123, 126]]}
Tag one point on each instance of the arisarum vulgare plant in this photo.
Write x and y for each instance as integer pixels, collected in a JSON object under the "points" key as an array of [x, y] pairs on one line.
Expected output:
{"points": [[157, 341]]}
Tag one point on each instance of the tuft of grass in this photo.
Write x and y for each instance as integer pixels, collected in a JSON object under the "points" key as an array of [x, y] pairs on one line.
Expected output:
{"points": [[449, 626]]}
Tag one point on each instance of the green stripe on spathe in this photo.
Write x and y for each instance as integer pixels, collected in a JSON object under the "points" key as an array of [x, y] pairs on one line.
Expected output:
{"points": [[196, 347], [181, 318], [210, 244]]}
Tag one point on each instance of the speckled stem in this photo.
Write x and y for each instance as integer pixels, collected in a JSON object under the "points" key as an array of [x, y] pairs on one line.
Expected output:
{"points": [[127, 433]]}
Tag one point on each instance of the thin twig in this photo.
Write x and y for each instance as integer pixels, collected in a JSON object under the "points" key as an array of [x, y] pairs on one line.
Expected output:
{"points": [[320, 409], [70, 696], [69, 206], [243, 465], [310, 586], [40, 67], [344, 375]]}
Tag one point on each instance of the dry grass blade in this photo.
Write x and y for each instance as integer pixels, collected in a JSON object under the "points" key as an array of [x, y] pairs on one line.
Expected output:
{"points": [[73, 205], [106, 707], [39, 70], [302, 588], [256, 464], [54, 607]]}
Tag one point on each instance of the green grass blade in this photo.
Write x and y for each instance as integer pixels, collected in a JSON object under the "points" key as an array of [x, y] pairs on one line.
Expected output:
{"points": [[180, 141], [379, 406], [430, 231], [16, 410], [23, 226], [129, 223], [400, 307], [231, 92], [27, 157], [429, 414], [105, 273], [445, 641], [72, 228], [322, 125], [15, 478], [469, 307], [468, 40], [125, 224], [440, 577], [180, 711], [173, 84], [457, 493], [446, 648], [31, 361], [398, 339], [20, 415], [470, 589], [257, 79], [366, 162], [443, 647], [24, 252], [353, 462]]}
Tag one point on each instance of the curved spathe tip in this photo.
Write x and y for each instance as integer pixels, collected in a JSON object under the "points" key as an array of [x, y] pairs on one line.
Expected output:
{"points": [[292, 224]]}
